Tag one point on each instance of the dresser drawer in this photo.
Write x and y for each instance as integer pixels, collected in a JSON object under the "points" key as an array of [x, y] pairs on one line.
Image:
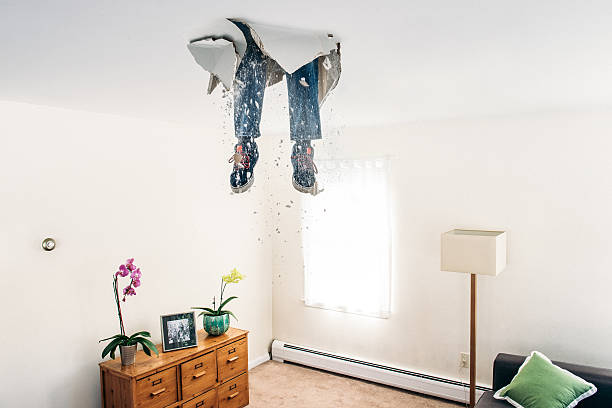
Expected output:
{"points": [[234, 393], [199, 374], [232, 359], [208, 400], [157, 390]]}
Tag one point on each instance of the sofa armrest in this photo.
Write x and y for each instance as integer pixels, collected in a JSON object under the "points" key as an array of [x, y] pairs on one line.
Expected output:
{"points": [[487, 401]]}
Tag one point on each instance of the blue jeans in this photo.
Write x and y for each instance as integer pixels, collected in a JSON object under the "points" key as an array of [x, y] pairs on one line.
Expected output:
{"points": [[250, 86]]}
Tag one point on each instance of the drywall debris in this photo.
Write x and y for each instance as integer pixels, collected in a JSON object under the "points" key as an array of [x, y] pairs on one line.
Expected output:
{"points": [[327, 64], [303, 82], [217, 56]]}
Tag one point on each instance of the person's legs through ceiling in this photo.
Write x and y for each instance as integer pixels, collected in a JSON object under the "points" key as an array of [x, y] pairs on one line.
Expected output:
{"points": [[305, 124], [249, 88]]}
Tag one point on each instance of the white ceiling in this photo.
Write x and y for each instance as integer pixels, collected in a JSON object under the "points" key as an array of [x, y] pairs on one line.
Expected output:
{"points": [[402, 60]]}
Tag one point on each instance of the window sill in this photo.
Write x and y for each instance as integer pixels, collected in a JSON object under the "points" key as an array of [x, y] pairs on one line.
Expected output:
{"points": [[383, 316]]}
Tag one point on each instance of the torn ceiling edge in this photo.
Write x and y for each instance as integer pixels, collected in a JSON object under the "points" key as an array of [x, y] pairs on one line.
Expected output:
{"points": [[217, 56], [287, 49]]}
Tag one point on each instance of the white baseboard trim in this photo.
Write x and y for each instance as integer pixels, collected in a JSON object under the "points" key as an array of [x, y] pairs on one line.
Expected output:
{"points": [[393, 376], [258, 360]]}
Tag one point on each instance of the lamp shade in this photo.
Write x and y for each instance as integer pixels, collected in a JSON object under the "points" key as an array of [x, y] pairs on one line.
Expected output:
{"points": [[474, 251]]}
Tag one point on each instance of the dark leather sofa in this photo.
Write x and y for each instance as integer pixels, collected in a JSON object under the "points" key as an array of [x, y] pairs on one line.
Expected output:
{"points": [[506, 366]]}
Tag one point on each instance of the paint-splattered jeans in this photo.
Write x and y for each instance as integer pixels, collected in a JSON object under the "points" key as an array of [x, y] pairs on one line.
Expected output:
{"points": [[250, 85]]}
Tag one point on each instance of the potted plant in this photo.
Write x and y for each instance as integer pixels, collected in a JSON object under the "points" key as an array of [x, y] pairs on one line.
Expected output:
{"points": [[217, 320], [127, 344]]}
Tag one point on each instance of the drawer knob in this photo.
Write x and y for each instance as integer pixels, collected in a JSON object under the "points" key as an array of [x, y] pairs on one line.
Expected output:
{"points": [[233, 395], [158, 392], [198, 375], [231, 360], [199, 404]]}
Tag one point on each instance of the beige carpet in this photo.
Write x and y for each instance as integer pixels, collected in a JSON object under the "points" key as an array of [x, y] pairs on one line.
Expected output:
{"points": [[278, 385]]}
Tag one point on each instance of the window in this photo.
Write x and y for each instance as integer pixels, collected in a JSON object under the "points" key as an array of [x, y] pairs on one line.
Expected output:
{"points": [[347, 239]]}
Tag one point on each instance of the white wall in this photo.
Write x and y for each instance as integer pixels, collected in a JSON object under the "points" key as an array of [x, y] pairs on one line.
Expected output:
{"points": [[108, 188], [544, 178]]}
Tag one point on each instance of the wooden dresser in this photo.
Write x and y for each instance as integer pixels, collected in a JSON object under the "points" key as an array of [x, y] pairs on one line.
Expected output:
{"points": [[212, 375]]}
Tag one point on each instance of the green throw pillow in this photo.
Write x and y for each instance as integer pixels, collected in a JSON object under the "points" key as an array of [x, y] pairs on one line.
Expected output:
{"points": [[541, 384]]}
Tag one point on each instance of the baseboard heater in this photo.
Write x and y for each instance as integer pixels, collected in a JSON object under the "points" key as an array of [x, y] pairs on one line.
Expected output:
{"points": [[395, 377]]}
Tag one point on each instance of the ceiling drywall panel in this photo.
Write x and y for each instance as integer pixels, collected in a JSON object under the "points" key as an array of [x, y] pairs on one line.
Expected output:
{"points": [[402, 60]]}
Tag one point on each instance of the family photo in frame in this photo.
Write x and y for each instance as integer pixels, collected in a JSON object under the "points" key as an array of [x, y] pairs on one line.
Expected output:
{"points": [[178, 331]]}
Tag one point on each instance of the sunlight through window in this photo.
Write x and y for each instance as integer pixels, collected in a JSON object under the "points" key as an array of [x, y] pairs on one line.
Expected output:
{"points": [[347, 239]]}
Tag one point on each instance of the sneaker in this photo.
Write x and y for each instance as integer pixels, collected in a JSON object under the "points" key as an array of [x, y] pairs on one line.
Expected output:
{"points": [[304, 169], [244, 158]]}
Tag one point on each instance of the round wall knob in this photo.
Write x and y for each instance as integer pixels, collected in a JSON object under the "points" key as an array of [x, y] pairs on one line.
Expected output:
{"points": [[48, 244]]}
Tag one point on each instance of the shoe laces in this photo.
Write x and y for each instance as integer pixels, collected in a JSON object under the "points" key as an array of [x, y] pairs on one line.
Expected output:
{"points": [[240, 160], [305, 161], [316, 189]]}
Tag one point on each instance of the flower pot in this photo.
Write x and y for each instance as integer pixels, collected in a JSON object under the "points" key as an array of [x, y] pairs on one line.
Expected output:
{"points": [[216, 325], [128, 354]]}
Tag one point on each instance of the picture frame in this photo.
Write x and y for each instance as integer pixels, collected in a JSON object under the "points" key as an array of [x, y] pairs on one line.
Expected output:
{"points": [[178, 331]]}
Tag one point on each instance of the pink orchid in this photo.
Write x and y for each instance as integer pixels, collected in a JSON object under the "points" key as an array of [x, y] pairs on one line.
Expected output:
{"points": [[124, 270], [136, 274]]}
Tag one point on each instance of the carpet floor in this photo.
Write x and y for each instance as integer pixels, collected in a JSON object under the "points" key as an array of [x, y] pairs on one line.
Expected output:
{"points": [[278, 385]]}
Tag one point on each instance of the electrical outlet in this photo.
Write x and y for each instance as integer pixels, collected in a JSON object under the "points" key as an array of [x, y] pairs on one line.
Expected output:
{"points": [[465, 360]]}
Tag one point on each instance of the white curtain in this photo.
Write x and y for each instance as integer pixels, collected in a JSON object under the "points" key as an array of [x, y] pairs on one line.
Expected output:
{"points": [[347, 238]]}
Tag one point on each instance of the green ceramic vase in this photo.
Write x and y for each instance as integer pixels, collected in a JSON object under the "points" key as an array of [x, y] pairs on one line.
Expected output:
{"points": [[216, 325]]}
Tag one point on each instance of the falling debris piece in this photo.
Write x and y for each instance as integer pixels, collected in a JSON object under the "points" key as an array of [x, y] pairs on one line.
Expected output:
{"points": [[288, 206], [303, 82]]}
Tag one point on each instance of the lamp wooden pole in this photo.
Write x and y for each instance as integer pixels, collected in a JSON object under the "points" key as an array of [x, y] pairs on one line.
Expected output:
{"points": [[476, 252], [473, 341]]}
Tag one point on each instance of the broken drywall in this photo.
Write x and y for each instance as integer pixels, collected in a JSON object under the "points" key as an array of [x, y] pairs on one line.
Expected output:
{"points": [[217, 56], [291, 48], [288, 49]]}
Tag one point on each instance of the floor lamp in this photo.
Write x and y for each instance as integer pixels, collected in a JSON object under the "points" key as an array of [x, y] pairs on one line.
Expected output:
{"points": [[477, 253]]}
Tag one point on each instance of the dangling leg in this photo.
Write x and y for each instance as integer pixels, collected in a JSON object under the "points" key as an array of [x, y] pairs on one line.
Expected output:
{"points": [[305, 124], [249, 87]]}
